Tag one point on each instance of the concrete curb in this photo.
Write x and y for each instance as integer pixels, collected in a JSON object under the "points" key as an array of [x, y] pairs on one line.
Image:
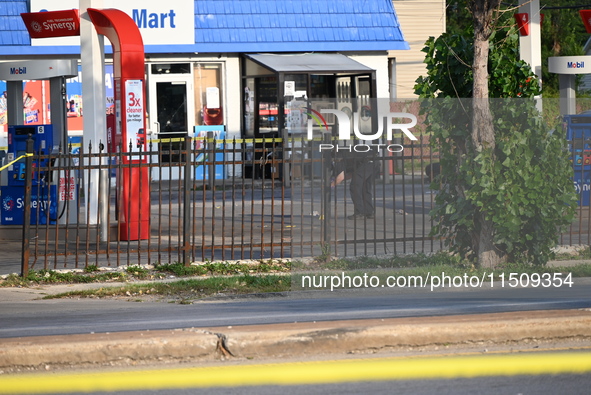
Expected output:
{"points": [[348, 337], [289, 340]]}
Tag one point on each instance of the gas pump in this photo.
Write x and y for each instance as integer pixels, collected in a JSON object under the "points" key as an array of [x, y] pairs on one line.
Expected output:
{"points": [[54, 194], [43, 199], [43, 144]]}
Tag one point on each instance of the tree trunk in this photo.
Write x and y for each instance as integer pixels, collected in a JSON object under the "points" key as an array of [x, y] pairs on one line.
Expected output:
{"points": [[483, 133]]}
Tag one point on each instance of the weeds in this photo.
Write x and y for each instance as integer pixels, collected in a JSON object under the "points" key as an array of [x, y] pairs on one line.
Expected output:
{"points": [[227, 278], [138, 271], [184, 291], [222, 268], [53, 277], [398, 261], [91, 269], [583, 254], [180, 270], [326, 253]]}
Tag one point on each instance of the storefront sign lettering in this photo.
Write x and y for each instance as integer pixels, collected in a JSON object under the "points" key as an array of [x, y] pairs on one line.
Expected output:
{"points": [[153, 20]]}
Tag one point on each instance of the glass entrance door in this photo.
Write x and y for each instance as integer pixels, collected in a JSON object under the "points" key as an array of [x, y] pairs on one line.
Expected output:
{"points": [[172, 122], [172, 116], [172, 107]]}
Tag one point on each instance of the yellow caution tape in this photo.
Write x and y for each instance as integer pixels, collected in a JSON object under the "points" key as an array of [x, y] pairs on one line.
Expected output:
{"points": [[14, 161], [218, 141]]}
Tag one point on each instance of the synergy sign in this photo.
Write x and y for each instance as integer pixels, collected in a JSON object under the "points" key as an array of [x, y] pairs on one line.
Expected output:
{"points": [[345, 122], [52, 24]]}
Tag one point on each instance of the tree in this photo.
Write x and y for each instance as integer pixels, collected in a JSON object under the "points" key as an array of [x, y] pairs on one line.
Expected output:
{"points": [[563, 32], [458, 16], [483, 132], [505, 186]]}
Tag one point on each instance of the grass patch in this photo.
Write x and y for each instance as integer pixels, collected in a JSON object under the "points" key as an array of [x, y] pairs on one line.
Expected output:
{"points": [[582, 254], [191, 289], [91, 269], [581, 270], [178, 269], [223, 268], [393, 262], [135, 272], [138, 271], [43, 276], [227, 278]]}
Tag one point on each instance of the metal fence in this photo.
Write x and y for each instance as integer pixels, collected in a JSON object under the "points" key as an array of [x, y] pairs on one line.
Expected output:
{"points": [[227, 199]]}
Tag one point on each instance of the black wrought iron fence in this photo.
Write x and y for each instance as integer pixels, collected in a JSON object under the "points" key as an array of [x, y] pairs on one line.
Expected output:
{"points": [[229, 199]]}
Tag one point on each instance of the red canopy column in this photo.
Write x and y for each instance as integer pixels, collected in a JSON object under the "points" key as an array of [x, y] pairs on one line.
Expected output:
{"points": [[130, 99]]}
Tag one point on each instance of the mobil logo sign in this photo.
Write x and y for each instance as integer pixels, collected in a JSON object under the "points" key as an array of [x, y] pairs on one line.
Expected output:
{"points": [[575, 65], [569, 64], [18, 70]]}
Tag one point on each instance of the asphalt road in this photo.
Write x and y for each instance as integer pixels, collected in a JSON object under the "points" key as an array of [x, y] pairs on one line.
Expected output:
{"points": [[27, 316], [539, 385]]}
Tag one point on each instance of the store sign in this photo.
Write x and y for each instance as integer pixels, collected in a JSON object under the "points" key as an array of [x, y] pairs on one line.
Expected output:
{"points": [[52, 24], [569, 64], [168, 22]]}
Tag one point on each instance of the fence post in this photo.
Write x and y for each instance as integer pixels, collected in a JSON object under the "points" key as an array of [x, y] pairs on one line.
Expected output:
{"points": [[211, 159], [326, 193], [286, 148], [104, 183], [27, 209], [187, 177]]}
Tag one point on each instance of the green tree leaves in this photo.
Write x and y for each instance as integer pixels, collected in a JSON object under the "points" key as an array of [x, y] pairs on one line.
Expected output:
{"points": [[524, 184]]}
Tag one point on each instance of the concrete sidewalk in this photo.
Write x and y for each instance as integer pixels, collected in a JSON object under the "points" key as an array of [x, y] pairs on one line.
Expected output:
{"points": [[334, 339]]}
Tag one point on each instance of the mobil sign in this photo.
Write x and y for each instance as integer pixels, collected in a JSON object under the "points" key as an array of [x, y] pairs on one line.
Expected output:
{"points": [[569, 64]]}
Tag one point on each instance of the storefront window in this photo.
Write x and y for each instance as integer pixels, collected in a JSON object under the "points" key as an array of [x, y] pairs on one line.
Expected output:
{"points": [[208, 94], [268, 107], [249, 103], [296, 101], [298, 84], [172, 68], [322, 86]]}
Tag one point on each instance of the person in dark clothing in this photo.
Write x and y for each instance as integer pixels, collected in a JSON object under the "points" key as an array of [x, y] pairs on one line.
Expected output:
{"points": [[360, 168], [432, 170]]}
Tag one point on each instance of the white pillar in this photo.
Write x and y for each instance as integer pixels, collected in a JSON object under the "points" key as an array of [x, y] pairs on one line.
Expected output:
{"points": [[14, 103], [568, 98], [531, 45], [57, 94], [94, 105]]}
